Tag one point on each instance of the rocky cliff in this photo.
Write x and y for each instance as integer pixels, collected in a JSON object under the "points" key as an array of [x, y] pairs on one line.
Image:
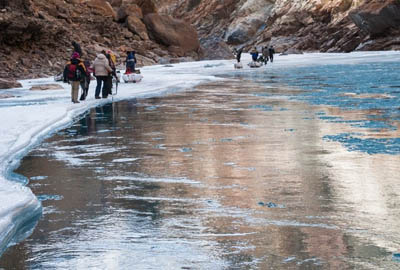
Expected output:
{"points": [[292, 25], [36, 34]]}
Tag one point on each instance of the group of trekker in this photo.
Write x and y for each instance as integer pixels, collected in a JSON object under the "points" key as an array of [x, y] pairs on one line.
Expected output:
{"points": [[267, 54], [78, 72]]}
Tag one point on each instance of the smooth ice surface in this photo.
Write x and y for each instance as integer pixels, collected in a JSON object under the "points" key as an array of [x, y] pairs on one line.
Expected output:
{"points": [[32, 115]]}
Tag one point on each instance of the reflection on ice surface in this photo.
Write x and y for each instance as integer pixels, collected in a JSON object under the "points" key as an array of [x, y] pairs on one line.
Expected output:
{"points": [[188, 171]]}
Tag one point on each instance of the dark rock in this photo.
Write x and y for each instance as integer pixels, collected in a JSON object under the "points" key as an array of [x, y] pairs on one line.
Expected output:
{"points": [[136, 26], [9, 83], [43, 87], [215, 48], [4, 96], [292, 51], [177, 34], [376, 17], [147, 6], [129, 10], [103, 7]]}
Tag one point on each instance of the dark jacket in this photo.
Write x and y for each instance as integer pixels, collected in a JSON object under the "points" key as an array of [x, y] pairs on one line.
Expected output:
{"points": [[131, 57], [130, 61], [73, 76], [271, 51], [239, 54]]}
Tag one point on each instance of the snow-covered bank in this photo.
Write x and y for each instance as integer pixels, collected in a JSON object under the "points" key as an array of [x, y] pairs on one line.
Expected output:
{"points": [[31, 116]]}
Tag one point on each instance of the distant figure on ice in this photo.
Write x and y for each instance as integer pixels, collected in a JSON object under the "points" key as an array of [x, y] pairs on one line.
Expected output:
{"points": [[130, 62], [74, 73], [238, 54], [265, 53], [271, 51], [254, 54], [77, 48]]}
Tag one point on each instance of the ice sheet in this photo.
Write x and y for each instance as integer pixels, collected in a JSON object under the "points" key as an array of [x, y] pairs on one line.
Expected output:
{"points": [[30, 116]]}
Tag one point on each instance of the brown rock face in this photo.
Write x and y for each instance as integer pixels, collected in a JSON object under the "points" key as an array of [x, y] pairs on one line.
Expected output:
{"points": [[211, 18], [377, 17], [299, 25], [136, 26], [25, 6], [8, 83], [129, 9], [179, 36], [147, 6], [103, 7]]}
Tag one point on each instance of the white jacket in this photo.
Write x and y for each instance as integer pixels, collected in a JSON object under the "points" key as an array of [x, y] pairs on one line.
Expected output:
{"points": [[101, 66]]}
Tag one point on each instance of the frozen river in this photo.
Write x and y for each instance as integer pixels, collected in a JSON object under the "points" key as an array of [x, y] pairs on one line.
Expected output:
{"points": [[293, 166]]}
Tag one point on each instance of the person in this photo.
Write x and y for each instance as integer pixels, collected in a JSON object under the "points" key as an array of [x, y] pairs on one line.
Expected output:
{"points": [[112, 58], [130, 62], [107, 89], [254, 54], [74, 72], [77, 48], [271, 51], [86, 80], [265, 54], [101, 70], [261, 59], [238, 53]]}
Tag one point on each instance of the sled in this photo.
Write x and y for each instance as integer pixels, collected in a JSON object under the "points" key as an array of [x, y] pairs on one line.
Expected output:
{"points": [[254, 64], [238, 65], [59, 77], [132, 77]]}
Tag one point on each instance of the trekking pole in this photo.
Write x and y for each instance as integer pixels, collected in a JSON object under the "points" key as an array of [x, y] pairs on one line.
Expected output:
{"points": [[116, 86]]}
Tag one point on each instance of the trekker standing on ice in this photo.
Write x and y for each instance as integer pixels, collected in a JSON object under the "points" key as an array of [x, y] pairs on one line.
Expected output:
{"points": [[238, 54], [265, 53], [130, 62], [107, 89], [74, 72], [254, 54], [101, 69], [86, 81], [77, 48], [271, 51]]}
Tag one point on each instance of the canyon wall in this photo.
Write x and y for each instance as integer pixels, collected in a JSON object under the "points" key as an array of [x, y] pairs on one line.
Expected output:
{"points": [[292, 25], [36, 35]]}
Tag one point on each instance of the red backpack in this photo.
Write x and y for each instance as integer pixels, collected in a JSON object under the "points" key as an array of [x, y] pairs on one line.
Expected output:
{"points": [[74, 72]]}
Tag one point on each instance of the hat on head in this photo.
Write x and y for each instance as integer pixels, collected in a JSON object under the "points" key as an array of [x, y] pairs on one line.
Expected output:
{"points": [[75, 55]]}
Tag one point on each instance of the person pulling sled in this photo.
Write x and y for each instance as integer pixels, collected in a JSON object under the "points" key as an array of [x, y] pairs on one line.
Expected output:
{"points": [[131, 73], [130, 62]]}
